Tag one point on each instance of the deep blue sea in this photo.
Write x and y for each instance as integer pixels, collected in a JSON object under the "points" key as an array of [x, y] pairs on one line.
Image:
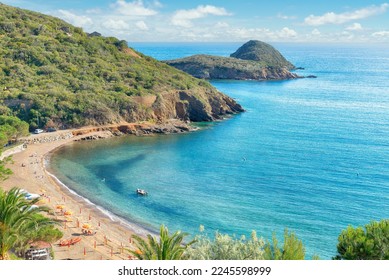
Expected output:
{"points": [[310, 155]]}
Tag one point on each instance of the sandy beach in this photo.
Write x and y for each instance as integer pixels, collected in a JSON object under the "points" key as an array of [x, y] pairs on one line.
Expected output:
{"points": [[109, 240]]}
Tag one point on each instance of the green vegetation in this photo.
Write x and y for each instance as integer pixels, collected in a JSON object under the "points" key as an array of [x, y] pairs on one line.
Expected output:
{"points": [[221, 247], [226, 247], [11, 128], [263, 53], [217, 67], [54, 74], [169, 247], [368, 243], [21, 224], [292, 248], [5, 171]]}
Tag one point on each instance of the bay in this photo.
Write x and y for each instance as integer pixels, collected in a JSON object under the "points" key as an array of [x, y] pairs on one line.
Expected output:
{"points": [[310, 155]]}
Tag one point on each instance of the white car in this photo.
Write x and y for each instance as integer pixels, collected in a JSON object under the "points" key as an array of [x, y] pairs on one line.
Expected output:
{"points": [[38, 130]]}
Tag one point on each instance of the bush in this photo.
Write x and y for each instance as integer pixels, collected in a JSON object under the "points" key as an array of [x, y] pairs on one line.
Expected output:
{"points": [[226, 247], [292, 249], [368, 243]]}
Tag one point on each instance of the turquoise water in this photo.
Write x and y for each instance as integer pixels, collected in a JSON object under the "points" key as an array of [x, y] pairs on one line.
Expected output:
{"points": [[311, 155]]}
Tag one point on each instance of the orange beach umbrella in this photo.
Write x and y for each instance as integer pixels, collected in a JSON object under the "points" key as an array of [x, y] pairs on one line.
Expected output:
{"points": [[68, 213], [86, 226]]}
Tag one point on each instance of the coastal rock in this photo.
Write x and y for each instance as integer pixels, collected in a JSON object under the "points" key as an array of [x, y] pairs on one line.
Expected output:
{"points": [[46, 138], [254, 60], [215, 67], [263, 53]]}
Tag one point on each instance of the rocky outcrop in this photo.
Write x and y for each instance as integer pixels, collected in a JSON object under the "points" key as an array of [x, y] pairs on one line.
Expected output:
{"points": [[193, 105], [255, 60], [46, 138], [215, 67], [263, 53], [103, 132]]}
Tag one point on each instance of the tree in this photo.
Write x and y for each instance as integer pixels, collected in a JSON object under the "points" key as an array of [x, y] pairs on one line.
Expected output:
{"points": [[167, 248], [18, 220], [4, 171], [226, 247], [15, 127], [292, 249], [368, 243]]}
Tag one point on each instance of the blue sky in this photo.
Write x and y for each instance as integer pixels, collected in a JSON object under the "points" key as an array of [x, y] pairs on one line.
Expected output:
{"points": [[223, 21]]}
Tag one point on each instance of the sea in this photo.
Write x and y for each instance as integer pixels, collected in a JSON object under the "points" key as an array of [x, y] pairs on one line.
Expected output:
{"points": [[308, 155]]}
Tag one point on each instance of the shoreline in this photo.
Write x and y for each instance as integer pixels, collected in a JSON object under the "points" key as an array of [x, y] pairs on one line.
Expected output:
{"points": [[31, 171], [132, 226]]}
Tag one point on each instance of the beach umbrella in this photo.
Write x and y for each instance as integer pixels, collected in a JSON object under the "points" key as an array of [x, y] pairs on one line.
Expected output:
{"points": [[86, 226], [68, 213]]}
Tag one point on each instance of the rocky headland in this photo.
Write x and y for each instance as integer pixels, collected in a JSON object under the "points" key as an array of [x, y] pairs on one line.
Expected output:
{"points": [[56, 75], [255, 60]]}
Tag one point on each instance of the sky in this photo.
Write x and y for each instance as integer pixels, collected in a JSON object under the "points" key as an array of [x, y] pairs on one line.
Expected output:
{"points": [[346, 21]]}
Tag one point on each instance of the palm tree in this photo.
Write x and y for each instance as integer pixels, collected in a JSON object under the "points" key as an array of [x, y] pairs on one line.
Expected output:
{"points": [[18, 221], [167, 248]]}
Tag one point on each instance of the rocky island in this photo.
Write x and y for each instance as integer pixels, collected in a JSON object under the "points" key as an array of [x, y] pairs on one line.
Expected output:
{"points": [[255, 60]]}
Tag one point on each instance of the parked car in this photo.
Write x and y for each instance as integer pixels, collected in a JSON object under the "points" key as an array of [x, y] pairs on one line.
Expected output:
{"points": [[38, 130], [51, 129]]}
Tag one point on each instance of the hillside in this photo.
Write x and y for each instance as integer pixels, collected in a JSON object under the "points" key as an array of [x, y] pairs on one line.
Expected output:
{"points": [[254, 60], [53, 74], [262, 52], [217, 67]]}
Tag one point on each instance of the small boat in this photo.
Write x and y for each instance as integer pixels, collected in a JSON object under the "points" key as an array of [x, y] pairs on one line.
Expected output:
{"points": [[141, 192]]}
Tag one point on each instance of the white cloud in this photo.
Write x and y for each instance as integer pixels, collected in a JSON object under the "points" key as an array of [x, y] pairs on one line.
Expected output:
{"points": [[333, 18], [115, 24], [183, 17], [286, 32], [347, 36], [142, 25], [354, 27], [264, 34], [80, 21], [315, 32], [222, 24], [381, 34], [135, 8]]}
